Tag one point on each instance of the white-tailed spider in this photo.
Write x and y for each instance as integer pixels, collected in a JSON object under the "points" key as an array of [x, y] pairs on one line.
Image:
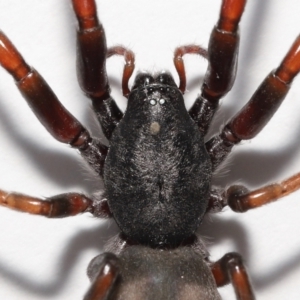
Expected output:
{"points": [[157, 168]]}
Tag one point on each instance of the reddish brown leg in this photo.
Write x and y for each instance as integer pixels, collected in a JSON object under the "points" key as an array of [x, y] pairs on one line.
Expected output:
{"points": [[59, 206], [222, 51], [128, 67], [259, 110], [222, 57], [56, 119], [103, 271], [240, 199], [91, 65], [230, 269], [44, 103]]}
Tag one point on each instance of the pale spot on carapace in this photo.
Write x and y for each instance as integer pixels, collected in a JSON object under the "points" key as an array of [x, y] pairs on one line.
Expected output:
{"points": [[154, 128]]}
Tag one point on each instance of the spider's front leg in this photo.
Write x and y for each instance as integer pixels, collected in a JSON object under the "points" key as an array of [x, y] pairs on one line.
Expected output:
{"points": [[247, 124], [222, 55], [252, 118], [92, 53], [63, 127], [51, 113]]}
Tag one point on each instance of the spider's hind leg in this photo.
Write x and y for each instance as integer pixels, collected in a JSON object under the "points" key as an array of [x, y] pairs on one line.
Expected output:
{"points": [[103, 271], [230, 269]]}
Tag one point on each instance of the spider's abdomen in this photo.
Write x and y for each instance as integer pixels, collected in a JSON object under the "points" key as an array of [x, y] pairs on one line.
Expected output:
{"points": [[157, 172], [146, 273]]}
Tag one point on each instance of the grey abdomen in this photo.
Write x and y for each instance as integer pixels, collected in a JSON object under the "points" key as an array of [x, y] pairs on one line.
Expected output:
{"points": [[153, 274]]}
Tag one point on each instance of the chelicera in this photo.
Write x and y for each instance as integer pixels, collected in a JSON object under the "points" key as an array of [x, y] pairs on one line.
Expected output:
{"points": [[157, 169]]}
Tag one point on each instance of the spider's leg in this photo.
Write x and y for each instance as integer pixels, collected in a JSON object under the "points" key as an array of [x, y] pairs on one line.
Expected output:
{"points": [[222, 56], [103, 272], [252, 118], [51, 113], [230, 269], [240, 199], [59, 206], [91, 65]]}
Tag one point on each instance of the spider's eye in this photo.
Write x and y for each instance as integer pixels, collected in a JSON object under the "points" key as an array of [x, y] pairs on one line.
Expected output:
{"points": [[152, 101], [162, 101]]}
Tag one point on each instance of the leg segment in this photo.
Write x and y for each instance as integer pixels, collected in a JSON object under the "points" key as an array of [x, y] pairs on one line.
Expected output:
{"points": [[230, 269], [59, 206], [91, 65], [258, 111], [91, 47], [241, 200], [56, 119], [222, 51], [56, 207], [222, 57], [103, 271], [51, 113]]}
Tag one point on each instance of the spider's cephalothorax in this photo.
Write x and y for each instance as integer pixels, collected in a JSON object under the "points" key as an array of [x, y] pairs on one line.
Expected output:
{"points": [[157, 171]]}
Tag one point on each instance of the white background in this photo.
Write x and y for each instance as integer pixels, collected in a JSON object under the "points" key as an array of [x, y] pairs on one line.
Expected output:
{"points": [[47, 259]]}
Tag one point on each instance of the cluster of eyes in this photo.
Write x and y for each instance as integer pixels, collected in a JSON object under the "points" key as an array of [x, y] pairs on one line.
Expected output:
{"points": [[160, 101]]}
